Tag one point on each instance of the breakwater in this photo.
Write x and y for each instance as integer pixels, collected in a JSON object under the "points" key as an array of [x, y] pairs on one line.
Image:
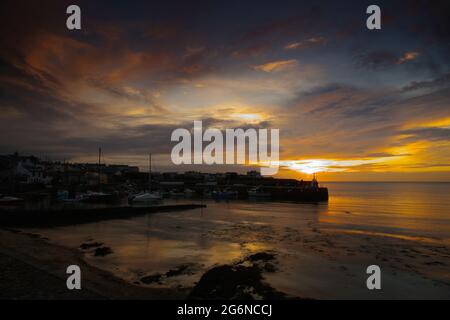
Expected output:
{"points": [[64, 217]]}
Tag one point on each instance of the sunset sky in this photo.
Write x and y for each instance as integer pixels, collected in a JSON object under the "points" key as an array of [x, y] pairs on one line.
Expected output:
{"points": [[350, 103]]}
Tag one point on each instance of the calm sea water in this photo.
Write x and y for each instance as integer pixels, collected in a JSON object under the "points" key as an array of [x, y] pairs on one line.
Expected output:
{"points": [[412, 209], [322, 249]]}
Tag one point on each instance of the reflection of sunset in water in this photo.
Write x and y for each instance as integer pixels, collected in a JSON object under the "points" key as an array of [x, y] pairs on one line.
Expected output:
{"points": [[400, 208], [396, 225]]}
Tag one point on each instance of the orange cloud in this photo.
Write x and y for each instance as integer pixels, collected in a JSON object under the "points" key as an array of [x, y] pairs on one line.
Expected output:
{"points": [[276, 66], [311, 42], [408, 56]]}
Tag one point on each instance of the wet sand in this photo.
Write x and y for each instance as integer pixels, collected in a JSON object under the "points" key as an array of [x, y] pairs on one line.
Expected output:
{"points": [[33, 268]]}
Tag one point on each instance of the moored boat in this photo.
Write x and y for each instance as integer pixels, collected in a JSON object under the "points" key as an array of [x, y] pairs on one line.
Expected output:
{"points": [[259, 193], [8, 200], [224, 195], [147, 196]]}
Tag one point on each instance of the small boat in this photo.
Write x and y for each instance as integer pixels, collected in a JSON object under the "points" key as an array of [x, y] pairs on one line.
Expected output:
{"points": [[224, 195], [176, 194], [95, 197], [7, 200], [258, 193], [147, 196], [87, 197]]}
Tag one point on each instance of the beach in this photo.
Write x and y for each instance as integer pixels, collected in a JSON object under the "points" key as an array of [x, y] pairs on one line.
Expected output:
{"points": [[249, 250], [33, 268]]}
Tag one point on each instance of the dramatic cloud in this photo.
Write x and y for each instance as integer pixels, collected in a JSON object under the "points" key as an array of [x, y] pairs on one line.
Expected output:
{"points": [[348, 102]]}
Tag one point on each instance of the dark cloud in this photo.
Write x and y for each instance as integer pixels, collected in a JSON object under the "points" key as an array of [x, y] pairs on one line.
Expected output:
{"points": [[437, 83], [430, 134], [386, 155], [377, 59]]}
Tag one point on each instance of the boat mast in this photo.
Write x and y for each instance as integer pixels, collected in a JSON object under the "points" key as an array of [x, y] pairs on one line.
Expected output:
{"points": [[150, 173], [99, 163]]}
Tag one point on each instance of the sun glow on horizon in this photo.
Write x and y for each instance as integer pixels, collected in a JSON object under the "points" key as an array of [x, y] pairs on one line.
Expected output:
{"points": [[247, 116], [326, 165]]}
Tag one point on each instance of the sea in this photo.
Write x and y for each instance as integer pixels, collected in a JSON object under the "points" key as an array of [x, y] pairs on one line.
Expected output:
{"points": [[322, 250]]}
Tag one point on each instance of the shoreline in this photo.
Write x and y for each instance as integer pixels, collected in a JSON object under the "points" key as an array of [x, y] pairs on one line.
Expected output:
{"points": [[33, 268], [36, 269]]}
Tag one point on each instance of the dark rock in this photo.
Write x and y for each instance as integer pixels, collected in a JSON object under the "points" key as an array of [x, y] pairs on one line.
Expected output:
{"points": [[152, 279], [261, 256], [233, 282], [103, 251], [86, 246], [178, 271]]}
